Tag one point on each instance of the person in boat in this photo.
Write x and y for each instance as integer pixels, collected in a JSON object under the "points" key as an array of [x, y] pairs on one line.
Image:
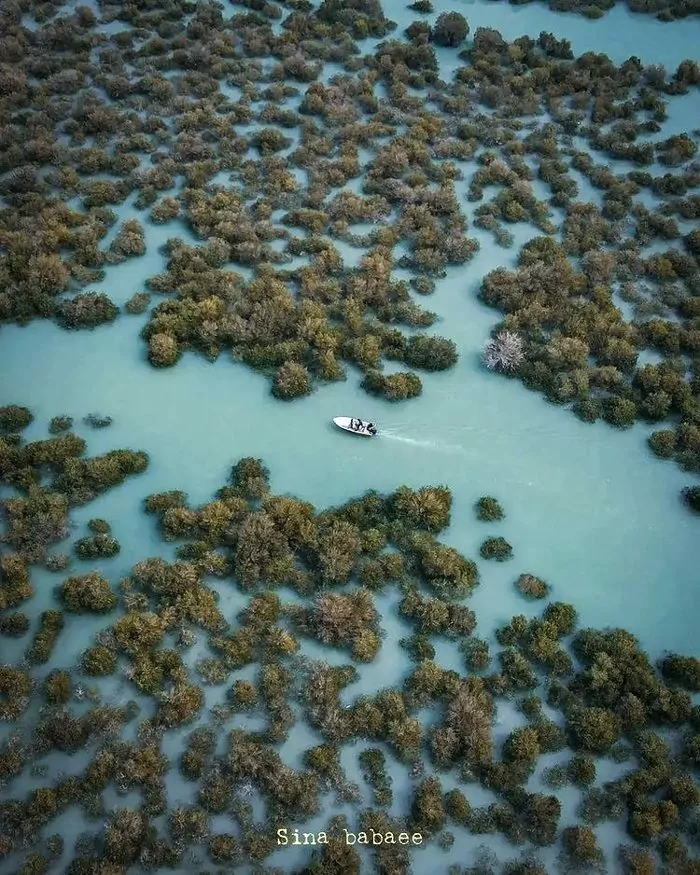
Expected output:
{"points": [[371, 428], [356, 425]]}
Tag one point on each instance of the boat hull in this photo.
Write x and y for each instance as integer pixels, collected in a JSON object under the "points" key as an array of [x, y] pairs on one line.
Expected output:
{"points": [[344, 423]]}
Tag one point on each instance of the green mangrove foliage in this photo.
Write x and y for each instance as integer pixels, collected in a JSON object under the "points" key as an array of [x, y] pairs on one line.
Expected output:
{"points": [[587, 355], [290, 331], [532, 587], [610, 701], [386, 121], [93, 115], [488, 509], [496, 548]]}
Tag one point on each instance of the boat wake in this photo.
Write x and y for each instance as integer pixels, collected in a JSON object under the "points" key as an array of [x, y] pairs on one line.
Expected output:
{"points": [[441, 446], [425, 443]]}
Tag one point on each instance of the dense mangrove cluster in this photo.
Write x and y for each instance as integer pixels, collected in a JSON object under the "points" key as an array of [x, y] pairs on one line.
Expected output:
{"points": [[232, 127], [322, 178], [209, 649]]}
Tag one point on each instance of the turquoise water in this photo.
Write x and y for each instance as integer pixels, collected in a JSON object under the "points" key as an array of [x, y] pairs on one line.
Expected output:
{"points": [[565, 486], [588, 508], [620, 34]]}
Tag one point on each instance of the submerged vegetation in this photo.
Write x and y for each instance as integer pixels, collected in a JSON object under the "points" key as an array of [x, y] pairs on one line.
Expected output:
{"points": [[297, 573], [664, 10]]}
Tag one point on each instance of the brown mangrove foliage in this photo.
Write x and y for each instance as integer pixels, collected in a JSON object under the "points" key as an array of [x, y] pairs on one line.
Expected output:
{"points": [[297, 573], [178, 96], [376, 157]]}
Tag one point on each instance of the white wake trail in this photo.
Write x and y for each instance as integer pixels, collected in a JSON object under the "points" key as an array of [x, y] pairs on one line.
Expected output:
{"points": [[425, 443]]}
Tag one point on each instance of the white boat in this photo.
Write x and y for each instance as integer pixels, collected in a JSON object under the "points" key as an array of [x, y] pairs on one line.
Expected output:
{"points": [[356, 426]]}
